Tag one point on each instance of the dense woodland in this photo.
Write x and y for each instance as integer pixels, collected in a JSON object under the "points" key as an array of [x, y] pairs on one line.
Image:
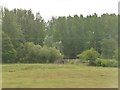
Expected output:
{"points": [[27, 38]]}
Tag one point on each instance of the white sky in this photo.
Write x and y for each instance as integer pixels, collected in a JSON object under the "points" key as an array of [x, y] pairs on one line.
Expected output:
{"points": [[49, 8]]}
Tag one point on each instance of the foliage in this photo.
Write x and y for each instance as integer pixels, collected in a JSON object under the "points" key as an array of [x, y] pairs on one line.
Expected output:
{"points": [[90, 55], [32, 26], [37, 54], [79, 33], [54, 54], [11, 27], [108, 48], [106, 62], [9, 54], [69, 35]]}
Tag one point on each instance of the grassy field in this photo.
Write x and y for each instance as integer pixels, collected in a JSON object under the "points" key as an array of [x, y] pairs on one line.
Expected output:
{"points": [[60, 76]]}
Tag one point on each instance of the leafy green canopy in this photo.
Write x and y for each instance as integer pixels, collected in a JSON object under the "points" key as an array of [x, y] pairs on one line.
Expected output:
{"points": [[90, 55], [32, 53], [70, 35]]}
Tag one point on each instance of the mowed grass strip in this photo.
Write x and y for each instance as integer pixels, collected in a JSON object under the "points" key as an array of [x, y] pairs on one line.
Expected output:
{"points": [[58, 75]]}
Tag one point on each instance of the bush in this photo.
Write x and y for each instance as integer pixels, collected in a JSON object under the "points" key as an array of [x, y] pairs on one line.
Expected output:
{"points": [[106, 62], [90, 55], [54, 54], [37, 54]]}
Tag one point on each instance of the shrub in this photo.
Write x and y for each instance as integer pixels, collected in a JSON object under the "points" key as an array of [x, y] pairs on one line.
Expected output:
{"points": [[90, 55], [106, 62], [54, 54], [37, 54]]}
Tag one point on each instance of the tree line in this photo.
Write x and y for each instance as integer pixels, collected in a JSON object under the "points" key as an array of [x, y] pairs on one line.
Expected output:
{"points": [[27, 38]]}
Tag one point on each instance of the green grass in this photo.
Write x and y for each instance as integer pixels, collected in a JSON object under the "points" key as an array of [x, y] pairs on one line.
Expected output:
{"points": [[60, 76]]}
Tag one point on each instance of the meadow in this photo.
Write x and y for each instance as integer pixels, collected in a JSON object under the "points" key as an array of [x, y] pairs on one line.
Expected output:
{"points": [[58, 76]]}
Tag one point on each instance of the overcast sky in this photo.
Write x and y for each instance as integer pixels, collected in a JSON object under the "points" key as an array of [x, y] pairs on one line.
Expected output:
{"points": [[49, 8]]}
